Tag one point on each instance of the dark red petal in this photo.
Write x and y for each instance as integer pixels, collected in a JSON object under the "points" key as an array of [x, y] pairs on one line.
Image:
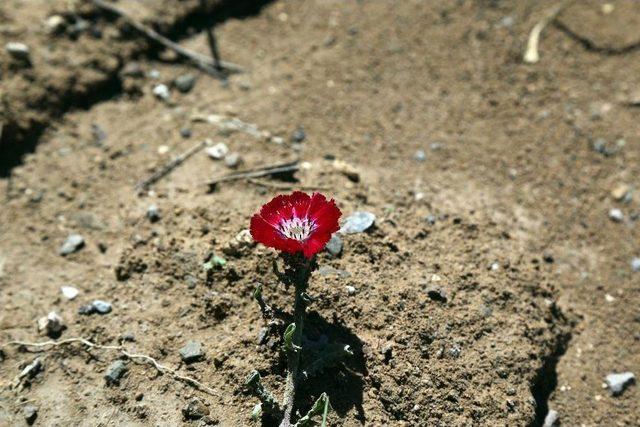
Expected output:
{"points": [[285, 206], [326, 216], [265, 233], [315, 244]]}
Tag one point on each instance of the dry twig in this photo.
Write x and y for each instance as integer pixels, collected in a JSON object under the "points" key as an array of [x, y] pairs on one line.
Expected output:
{"points": [[132, 356], [167, 168], [288, 167], [531, 55], [214, 67]]}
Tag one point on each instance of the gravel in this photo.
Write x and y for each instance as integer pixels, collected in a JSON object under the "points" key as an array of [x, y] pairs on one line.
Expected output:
{"points": [[115, 371], [153, 213], [616, 215], [635, 264], [97, 306], [334, 246], [232, 160], [51, 325], [298, 135], [74, 243], [358, 222], [617, 383], [18, 50], [30, 413], [218, 151], [69, 292], [350, 290], [420, 156], [436, 293], [194, 410], [185, 82], [161, 91], [192, 352]]}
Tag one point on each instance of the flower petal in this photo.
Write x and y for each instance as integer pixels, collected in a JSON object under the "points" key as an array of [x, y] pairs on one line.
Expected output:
{"points": [[265, 233], [285, 207]]}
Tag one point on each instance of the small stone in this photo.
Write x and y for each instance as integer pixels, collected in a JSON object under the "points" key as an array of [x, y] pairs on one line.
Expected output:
{"points": [[435, 146], [161, 91], [163, 149], [620, 192], [32, 369], [133, 70], [74, 243], [358, 222], [30, 413], [115, 371], [327, 270], [154, 74], [552, 418], [239, 244], [350, 290], [191, 352], [431, 219], [218, 151], [185, 133], [101, 307], [455, 351], [334, 246], [85, 310], [18, 50], [232, 160], [635, 264], [194, 410], [346, 169], [263, 335], [51, 325], [494, 266], [436, 293], [420, 156], [298, 135], [609, 298], [69, 292], [185, 82], [507, 21], [616, 215], [617, 383], [387, 352], [153, 213], [55, 24]]}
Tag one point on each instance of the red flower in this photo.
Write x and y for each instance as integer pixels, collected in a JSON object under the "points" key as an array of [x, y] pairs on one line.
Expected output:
{"points": [[296, 223]]}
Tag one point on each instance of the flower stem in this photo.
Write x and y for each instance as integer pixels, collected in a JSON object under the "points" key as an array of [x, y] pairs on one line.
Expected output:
{"points": [[300, 271]]}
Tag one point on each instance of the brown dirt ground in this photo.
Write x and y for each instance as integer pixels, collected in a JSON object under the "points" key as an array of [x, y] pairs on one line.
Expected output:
{"points": [[515, 181]]}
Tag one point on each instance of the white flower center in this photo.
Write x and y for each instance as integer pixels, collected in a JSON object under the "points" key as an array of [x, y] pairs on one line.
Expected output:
{"points": [[297, 228]]}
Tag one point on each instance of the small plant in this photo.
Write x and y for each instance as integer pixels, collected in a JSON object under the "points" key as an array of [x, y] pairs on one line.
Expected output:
{"points": [[299, 226]]}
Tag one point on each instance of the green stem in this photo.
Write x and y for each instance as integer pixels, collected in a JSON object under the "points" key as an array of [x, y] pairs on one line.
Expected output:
{"points": [[301, 270]]}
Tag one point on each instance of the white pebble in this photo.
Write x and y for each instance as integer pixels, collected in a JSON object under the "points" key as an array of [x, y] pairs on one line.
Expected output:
{"points": [[218, 151], [616, 215], [69, 292], [161, 91]]}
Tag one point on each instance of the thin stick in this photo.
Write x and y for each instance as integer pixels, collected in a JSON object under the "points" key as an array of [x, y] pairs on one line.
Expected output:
{"points": [[531, 55], [167, 168], [285, 186], [133, 356], [213, 67], [257, 172], [211, 38]]}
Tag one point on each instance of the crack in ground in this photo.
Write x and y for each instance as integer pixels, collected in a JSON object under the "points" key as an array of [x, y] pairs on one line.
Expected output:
{"points": [[17, 141], [546, 379]]}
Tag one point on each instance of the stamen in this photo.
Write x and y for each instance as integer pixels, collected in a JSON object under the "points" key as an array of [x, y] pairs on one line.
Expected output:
{"points": [[297, 228]]}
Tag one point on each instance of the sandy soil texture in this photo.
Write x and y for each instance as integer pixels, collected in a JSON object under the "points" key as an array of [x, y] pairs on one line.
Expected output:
{"points": [[495, 285]]}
